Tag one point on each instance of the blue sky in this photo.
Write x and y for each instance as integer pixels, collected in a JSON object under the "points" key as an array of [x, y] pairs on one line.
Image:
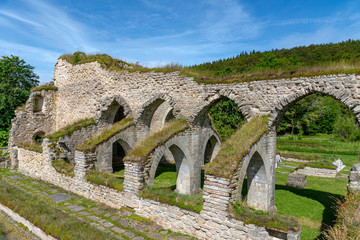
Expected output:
{"points": [[155, 33]]}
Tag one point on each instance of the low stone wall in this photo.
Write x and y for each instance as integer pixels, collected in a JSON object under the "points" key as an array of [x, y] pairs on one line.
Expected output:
{"points": [[317, 172], [209, 224], [354, 179]]}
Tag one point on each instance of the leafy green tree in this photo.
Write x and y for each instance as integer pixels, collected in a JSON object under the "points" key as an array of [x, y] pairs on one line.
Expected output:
{"points": [[226, 118], [16, 79]]}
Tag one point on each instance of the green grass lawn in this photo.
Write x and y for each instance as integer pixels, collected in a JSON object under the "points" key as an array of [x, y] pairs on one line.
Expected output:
{"points": [[313, 206], [321, 147]]}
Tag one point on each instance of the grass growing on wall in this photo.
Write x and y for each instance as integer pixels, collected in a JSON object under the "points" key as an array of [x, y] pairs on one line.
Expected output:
{"points": [[49, 86], [61, 166], [236, 147], [48, 217], [304, 61], [155, 139], [112, 180], [193, 202], [249, 215], [31, 146], [90, 145], [69, 129]]}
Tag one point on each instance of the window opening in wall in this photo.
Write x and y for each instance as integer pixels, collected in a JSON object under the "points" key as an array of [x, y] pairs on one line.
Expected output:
{"points": [[38, 137], [120, 115], [38, 102]]}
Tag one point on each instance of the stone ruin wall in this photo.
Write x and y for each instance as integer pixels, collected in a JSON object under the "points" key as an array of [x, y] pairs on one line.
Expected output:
{"points": [[87, 90], [209, 224]]}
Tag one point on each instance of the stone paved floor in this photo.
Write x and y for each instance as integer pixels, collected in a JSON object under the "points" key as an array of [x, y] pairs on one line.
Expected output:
{"points": [[122, 224]]}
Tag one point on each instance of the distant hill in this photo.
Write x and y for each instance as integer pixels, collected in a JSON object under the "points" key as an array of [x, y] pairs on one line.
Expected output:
{"points": [[332, 58]]}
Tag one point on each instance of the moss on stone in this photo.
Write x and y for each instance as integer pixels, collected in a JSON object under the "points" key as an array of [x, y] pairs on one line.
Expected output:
{"points": [[91, 144], [48, 86], [69, 129], [259, 218], [31, 146], [63, 167], [236, 147], [141, 152]]}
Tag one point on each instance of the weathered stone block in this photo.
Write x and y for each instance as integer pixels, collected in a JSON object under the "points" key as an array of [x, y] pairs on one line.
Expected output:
{"points": [[296, 180]]}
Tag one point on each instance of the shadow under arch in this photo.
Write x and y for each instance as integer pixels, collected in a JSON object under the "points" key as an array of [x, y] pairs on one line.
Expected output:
{"points": [[328, 200], [154, 113], [116, 107]]}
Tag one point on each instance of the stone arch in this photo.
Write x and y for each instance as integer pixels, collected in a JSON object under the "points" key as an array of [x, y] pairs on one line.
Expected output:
{"points": [[156, 111], [38, 136], [200, 117], [285, 103], [120, 149], [256, 161], [113, 109], [185, 183], [256, 182], [211, 147], [105, 154], [38, 102]]}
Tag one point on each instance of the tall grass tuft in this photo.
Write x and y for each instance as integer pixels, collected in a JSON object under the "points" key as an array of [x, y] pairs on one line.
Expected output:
{"points": [[347, 225]]}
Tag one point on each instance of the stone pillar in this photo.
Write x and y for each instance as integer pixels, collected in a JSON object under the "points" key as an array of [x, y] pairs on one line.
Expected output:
{"points": [[216, 197], [83, 164], [271, 159], [354, 179], [134, 177]]}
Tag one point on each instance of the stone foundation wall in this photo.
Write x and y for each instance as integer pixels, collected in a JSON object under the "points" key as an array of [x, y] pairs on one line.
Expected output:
{"points": [[205, 225], [318, 172]]}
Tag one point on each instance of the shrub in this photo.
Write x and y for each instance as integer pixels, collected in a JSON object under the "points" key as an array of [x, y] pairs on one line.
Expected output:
{"points": [[48, 86], [347, 225]]}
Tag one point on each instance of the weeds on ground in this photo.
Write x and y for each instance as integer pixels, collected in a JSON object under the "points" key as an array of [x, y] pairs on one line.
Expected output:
{"points": [[92, 143], [46, 216], [347, 225]]}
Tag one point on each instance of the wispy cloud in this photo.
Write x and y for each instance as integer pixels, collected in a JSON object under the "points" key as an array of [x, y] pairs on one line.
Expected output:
{"points": [[296, 21]]}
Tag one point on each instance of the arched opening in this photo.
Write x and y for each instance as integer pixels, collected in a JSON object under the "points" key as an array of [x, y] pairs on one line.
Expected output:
{"points": [[175, 177], [157, 114], [257, 182], [211, 149], [120, 115], [119, 150], [312, 132], [114, 113], [38, 102], [38, 137]]}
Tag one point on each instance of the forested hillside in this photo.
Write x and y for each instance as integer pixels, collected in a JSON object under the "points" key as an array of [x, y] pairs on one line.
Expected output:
{"points": [[343, 57]]}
